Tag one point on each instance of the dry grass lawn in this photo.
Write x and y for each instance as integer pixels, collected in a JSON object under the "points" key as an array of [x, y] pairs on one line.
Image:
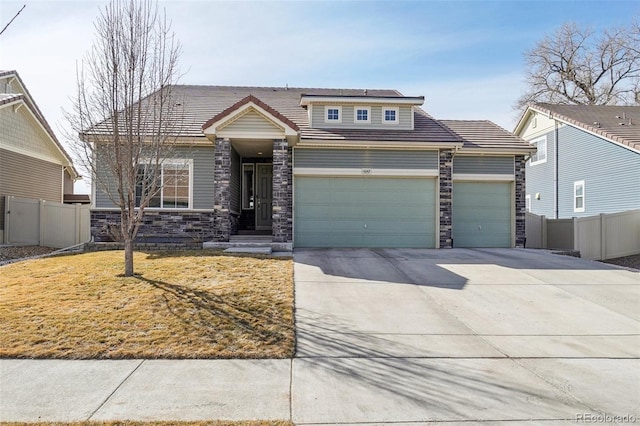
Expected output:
{"points": [[193, 304]]}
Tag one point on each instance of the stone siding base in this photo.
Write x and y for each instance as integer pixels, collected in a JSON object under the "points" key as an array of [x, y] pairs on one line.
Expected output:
{"points": [[158, 227]]}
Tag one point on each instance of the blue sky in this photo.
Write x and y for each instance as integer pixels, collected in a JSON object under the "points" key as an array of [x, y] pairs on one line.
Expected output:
{"points": [[465, 57]]}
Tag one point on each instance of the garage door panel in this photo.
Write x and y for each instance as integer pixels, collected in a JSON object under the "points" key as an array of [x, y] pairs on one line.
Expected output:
{"points": [[482, 214], [364, 212]]}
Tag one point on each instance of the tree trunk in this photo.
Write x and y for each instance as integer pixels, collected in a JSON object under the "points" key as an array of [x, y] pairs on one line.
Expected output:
{"points": [[128, 257]]}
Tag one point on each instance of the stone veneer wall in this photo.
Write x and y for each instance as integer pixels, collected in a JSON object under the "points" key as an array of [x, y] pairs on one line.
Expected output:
{"points": [[222, 194], [157, 227], [521, 204], [446, 190], [281, 216]]}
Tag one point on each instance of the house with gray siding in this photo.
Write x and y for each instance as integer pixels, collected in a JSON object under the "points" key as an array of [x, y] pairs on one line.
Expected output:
{"points": [[33, 163], [587, 160], [333, 168]]}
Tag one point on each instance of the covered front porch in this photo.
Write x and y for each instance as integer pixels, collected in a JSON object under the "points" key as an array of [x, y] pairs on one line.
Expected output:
{"points": [[252, 174]]}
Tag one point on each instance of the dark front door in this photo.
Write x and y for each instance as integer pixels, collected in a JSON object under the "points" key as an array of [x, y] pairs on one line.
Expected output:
{"points": [[264, 196]]}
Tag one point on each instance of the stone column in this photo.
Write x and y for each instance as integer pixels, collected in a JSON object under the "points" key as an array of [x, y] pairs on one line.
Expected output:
{"points": [[281, 215], [222, 192], [520, 199], [446, 187]]}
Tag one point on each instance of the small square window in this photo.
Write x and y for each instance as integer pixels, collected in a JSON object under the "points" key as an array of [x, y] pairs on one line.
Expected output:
{"points": [[333, 114], [362, 115], [390, 115]]}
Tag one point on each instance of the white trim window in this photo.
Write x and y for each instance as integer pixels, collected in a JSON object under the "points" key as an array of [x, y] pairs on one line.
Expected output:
{"points": [[578, 196], [332, 114], [528, 202], [541, 153], [390, 115], [174, 185], [361, 114]]}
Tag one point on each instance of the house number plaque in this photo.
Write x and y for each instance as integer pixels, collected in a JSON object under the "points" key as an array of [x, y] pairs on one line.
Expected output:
{"points": [[366, 171]]}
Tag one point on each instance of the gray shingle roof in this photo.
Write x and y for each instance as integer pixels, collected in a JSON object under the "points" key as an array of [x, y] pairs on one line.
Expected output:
{"points": [[204, 102], [484, 134], [620, 124]]}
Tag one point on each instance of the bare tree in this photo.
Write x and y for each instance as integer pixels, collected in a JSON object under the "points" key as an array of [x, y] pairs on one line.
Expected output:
{"points": [[578, 66], [125, 110]]}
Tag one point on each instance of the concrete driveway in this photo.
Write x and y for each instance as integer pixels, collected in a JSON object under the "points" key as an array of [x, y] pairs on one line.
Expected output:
{"points": [[394, 335]]}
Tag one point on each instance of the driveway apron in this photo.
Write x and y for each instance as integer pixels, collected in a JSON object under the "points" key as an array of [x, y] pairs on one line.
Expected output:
{"points": [[409, 335]]}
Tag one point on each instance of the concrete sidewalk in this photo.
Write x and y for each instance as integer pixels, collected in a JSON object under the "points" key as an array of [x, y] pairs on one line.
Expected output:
{"points": [[390, 336]]}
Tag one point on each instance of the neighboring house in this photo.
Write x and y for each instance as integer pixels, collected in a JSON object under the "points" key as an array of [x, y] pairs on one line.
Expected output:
{"points": [[333, 168], [587, 160], [33, 164]]}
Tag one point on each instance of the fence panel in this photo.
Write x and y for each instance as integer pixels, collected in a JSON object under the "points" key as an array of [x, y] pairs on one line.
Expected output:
{"points": [[22, 221], [46, 223], [622, 234], [588, 237], [535, 230], [560, 234]]}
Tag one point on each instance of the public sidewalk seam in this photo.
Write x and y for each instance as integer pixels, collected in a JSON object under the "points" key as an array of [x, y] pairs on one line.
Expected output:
{"points": [[115, 390]]}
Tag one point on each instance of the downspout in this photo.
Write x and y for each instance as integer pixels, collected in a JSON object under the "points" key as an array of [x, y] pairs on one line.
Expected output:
{"points": [[556, 168]]}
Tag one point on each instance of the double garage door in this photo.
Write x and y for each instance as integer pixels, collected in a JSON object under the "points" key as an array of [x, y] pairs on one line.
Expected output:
{"points": [[364, 212]]}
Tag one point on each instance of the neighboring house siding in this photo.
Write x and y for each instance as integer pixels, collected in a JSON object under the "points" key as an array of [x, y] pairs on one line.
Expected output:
{"points": [[202, 185], [540, 180], [347, 122], [22, 133], [365, 158], [483, 165], [611, 174], [68, 184], [28, 177]]}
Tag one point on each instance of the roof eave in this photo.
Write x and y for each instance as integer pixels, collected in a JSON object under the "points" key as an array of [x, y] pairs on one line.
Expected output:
{"points": [[306, 100]]}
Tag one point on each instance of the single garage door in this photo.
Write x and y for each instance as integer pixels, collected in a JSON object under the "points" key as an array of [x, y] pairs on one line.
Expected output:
{"points": [[482, 214], [364, 212]]}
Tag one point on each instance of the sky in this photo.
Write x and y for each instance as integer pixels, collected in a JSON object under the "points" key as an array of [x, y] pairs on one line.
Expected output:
{"points": [[465, 57]]}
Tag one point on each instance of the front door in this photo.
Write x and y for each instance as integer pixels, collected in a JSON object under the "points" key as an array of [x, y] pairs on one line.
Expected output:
{"points": [[264, 196]]}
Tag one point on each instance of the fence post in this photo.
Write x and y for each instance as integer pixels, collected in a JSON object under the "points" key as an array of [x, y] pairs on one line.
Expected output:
{"points": [[603, 236], [576, 234], [543, 230], [76, 237], [41, 218]]}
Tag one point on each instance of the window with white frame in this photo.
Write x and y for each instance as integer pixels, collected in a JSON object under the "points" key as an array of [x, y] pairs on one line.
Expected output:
{"points": [[540, 155], [172, 189], [361, 114], [390, 115], [333, 114], [528, 202], [578, 196]]}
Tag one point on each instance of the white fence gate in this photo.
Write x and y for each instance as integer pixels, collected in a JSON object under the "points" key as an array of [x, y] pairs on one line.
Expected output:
{"points": [[605, 236], [45, 223]]}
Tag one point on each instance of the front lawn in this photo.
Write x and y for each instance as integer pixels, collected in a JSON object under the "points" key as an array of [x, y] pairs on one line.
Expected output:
{"points": [[193, 304]]}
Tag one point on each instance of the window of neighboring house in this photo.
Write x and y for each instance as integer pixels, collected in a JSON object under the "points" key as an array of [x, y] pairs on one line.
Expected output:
{"points": [[390, 115], [578, 196], [362, 115], [172, 188], [541, 154], [528, 202], [247, 186], [333, 114]]}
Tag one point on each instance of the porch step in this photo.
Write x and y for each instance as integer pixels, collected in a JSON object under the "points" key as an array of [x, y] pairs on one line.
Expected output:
{"points": [[249, 244], [250, 238], [250, 250]]}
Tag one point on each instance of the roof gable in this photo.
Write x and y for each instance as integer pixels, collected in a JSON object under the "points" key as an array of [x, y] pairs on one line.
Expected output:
{"points": [[615, 123], [253, 113]]}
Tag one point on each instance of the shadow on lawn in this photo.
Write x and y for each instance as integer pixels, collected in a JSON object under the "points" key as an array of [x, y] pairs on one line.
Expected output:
{"points": [[225, 320], [209, 253]]}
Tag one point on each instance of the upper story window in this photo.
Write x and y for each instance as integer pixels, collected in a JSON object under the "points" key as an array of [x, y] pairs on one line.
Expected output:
{"points": [[578, 196], [390, 115], [172, 188], [541, 154], [362, 114], [333, 114]]}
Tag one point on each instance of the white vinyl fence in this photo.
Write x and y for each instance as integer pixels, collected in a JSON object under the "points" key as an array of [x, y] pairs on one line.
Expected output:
{"points": [[45, 223], [605, 236]]}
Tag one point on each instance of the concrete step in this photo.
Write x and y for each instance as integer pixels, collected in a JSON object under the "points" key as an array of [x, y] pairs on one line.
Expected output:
{"points": [[249, 250]]}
